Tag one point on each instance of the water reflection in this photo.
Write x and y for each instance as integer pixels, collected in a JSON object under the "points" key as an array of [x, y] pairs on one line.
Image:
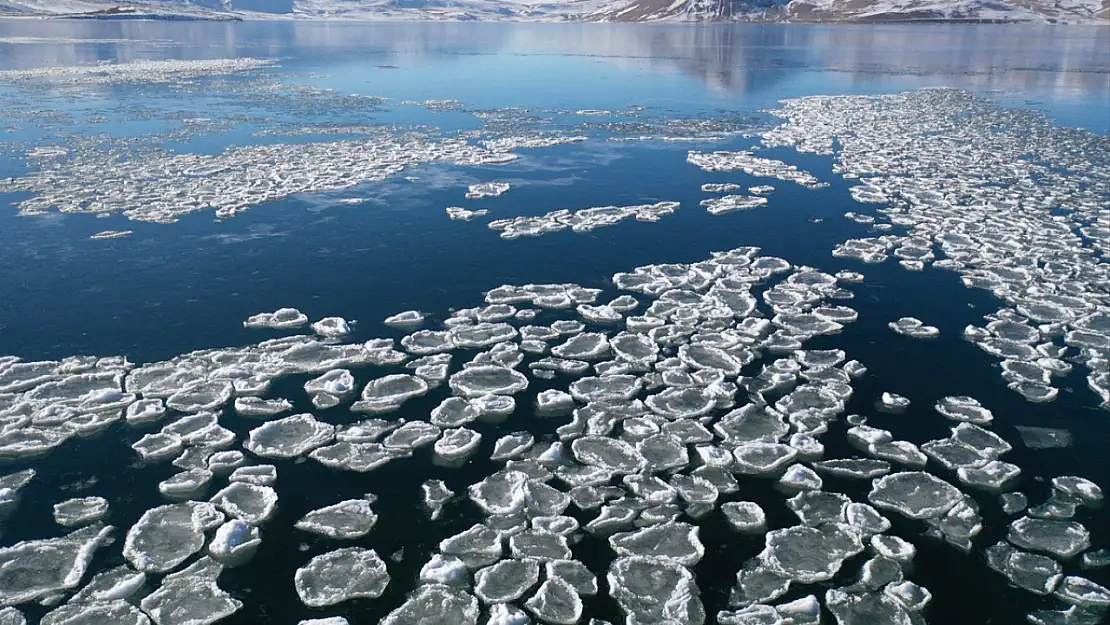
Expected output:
{"points": [[1042, 62]]}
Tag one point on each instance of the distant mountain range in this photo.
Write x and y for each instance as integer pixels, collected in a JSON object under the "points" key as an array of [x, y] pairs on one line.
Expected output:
{"points": [[825, 11]]}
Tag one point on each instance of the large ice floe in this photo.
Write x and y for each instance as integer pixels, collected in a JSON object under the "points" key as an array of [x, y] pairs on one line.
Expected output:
{"points": [[612, 436]]}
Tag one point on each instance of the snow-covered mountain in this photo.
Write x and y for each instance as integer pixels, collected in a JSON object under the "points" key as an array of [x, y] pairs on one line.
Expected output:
{"points": [[1056, 11]]}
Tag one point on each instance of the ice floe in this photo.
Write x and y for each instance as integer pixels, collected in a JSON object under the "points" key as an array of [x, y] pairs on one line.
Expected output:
{"points": [[341, 575]]}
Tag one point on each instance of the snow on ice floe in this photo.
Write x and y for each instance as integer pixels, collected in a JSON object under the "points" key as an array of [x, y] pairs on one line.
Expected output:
{"points": [[341, 575], [406, 319], [281, 319], [388, 393], [457, 213], [247, 502], [353, 518], [583, 220], [914, 328]]}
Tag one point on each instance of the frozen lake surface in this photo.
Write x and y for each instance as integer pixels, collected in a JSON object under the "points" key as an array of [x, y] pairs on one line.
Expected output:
{"points": [[496, 322]]}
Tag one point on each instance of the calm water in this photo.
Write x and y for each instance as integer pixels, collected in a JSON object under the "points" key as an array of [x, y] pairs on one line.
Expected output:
{"points": [[174, 288]]}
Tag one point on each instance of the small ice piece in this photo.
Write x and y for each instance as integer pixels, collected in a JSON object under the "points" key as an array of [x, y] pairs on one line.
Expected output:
{"points": [[554, 402], [607, 389], [158, 446], [235, 542], [412, 435], [189, 600], [729, 203], [893, 547], [166, 536], [894, 403], [346, 520], [388, 393], [289, 437], [914, 328], [501, 493], [964, 408], [762, 189], [1082, 592], [458, 213], [716, 187], [441, 569], [224, 462], [556, 602], [259, 475], [482, 380], [201, 396], [800, 477], [992, 476], [37, 568], [1013, 503], [587, 346], [332, 327], [281, 319], [456, 445], [607, 453], [436, 495], [505, 614], [763, 458], [478, 546], [340, 575], [1036, 573], [599, 314], [649, 590], [681, 403], [673, 542], [506, 581], [486, 189], [81, 511], [1064, 539], [258, 407], [1044, 438], [746, 517], [1078, 487], [406, 319], [915, 494], [329, 389], [512, 446], [145, 411], [435, 604], [817, 508], [852, 608], [189, 484], [247, 502]]}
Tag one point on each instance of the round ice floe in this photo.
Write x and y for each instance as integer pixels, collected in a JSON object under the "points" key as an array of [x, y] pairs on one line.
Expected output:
{"points": [[332, 327], [915, 494], [964, 408], [346, 520], [281, 319], [501, 493], [456, 445], [289, 437], [247, 502], [200, 397], [554, 402], [425, 342], [649, 590], [234, 542], [158, 446], [607, 389], [1036, 573], [763, 458], [574, 573], [145, 411], [189, 599], [587, 346], [1063, 539], [166, 536], [674, 542], [340, 575], [556, 602], [893, 547], [81, 511], [388, 393], [407, 319], [505, 581], [681, 403], [482, 335], [435, 604], [478, 546], [411, 435], [259, 475], [806, 554], [487, 380], [607, 453], [188, 484], [37, 568]]}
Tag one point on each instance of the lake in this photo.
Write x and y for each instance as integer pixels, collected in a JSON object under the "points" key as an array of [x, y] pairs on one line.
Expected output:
{"points": [[162, 183]]}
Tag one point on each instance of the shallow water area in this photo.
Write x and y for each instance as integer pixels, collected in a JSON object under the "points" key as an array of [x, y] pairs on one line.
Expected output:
{"points": [[773, 356]]}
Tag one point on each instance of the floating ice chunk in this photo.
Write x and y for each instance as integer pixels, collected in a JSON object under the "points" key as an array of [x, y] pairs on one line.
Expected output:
{"points": [[332, 327], [587, 346], [486, 189], [478, 546], [993, 475], [289, 437], [556, 602], [554, 402], [712, 187], [201, 397], [458, 213], [234, 542], [745, 516], [1082, 592], [436, 495], [1078, 487], [763, 458], [346, 520], [330, 388], [893, 547], [145, 411], [505, 581], [1064, 539], [187, 484], [649, 590], [1044, 438], [447, 570], [512, 446], [539, 545], [817, 508], [915, 494], [574, 573], [166, 536], [158, 446], [224, 462], [914, 328], [894, 403], [701, 356], [854, 468], [259, 475], [762, 189], [752, 165], [799, 477], [435, 604], [729, 203], [608, 389], [340, 575], [501, 493], [81, 511], [607, 453], [258, 407], [247, 502], [388, 393], [456, 445], [482, 380], [281, 319], [36, 568], [673, 542], [852, 608], [1035, 573], [681, 403], [426, 342], [963, 408], [412, 435], [406, 319]]}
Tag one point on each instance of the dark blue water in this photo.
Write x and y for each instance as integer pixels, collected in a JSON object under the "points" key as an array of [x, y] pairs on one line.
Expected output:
{"points": [[174, 288]]}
